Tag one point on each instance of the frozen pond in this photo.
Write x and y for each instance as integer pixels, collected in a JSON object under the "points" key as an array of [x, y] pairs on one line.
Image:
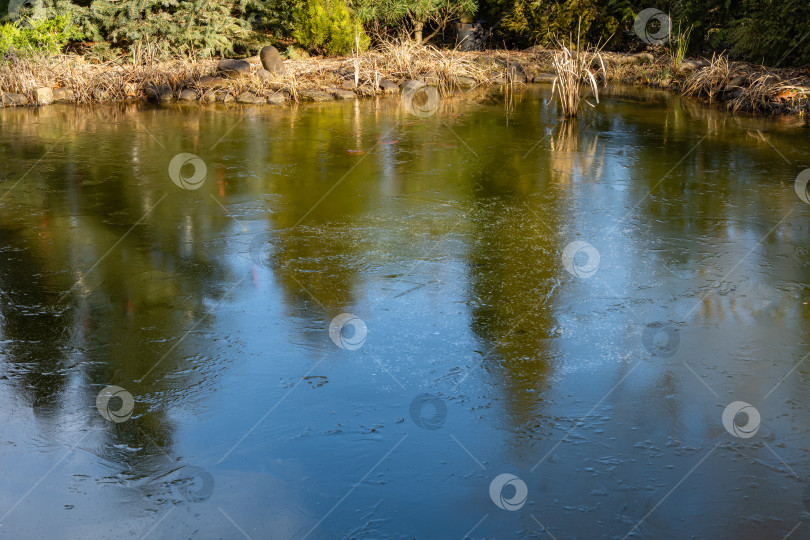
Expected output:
{"points": [[573, 304]]}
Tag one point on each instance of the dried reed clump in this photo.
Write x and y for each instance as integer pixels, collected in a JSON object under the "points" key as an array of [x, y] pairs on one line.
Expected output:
{"points": [[393, 60], [404, 59], [763, 91], [571, 68], [106, 81], [712, 79]]}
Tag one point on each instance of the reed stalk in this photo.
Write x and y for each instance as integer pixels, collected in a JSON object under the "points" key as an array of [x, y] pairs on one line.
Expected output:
{"points": [[572, 66]]}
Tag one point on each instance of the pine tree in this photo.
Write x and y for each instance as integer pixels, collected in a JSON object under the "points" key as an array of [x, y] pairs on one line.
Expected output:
{"points": [[176, 27], [416, 14]]}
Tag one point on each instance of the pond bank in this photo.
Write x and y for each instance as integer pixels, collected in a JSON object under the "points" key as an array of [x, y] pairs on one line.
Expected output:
{"points": [[269, 79]]}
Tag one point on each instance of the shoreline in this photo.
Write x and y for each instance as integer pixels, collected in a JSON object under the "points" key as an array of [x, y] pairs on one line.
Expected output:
{"points": [[43, 80]]}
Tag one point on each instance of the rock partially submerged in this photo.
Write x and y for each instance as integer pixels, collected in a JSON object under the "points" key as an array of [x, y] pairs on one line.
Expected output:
{"points": [[187, 95], [158, 92], [249, 98], [544, 78], [516, 73], [339, 93], [64, 94], [43, 96], [13, 100], [411, 85], [463, 82], [277, 99], [388, 87], [314, 95]]}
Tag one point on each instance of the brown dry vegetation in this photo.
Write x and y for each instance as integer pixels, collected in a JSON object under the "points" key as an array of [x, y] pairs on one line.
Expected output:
{"points": [[749, 87], [127, 78]]}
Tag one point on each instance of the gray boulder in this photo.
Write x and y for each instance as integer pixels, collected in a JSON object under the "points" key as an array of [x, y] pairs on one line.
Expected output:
{"points": [[207, 81], [516, 73], [277, 98], [314, 95], [43, 96], [411, 85], [691, 65], [158, 92], [431, 78], [640, 58], [736, 82], [13, 100], [388, 87], [339, 93], [463, 82], [63, 94], [187, 95], [233, 68], [544, 78], [264, 75], [248, 98], [272, 60]]}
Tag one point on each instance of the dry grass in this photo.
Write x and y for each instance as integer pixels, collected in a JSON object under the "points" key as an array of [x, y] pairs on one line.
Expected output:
{"points": [[393, 60], [108, 81], [404, 59], [572, 67], [764, 89], [712, 79], [94, 80], [128, 77]]}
